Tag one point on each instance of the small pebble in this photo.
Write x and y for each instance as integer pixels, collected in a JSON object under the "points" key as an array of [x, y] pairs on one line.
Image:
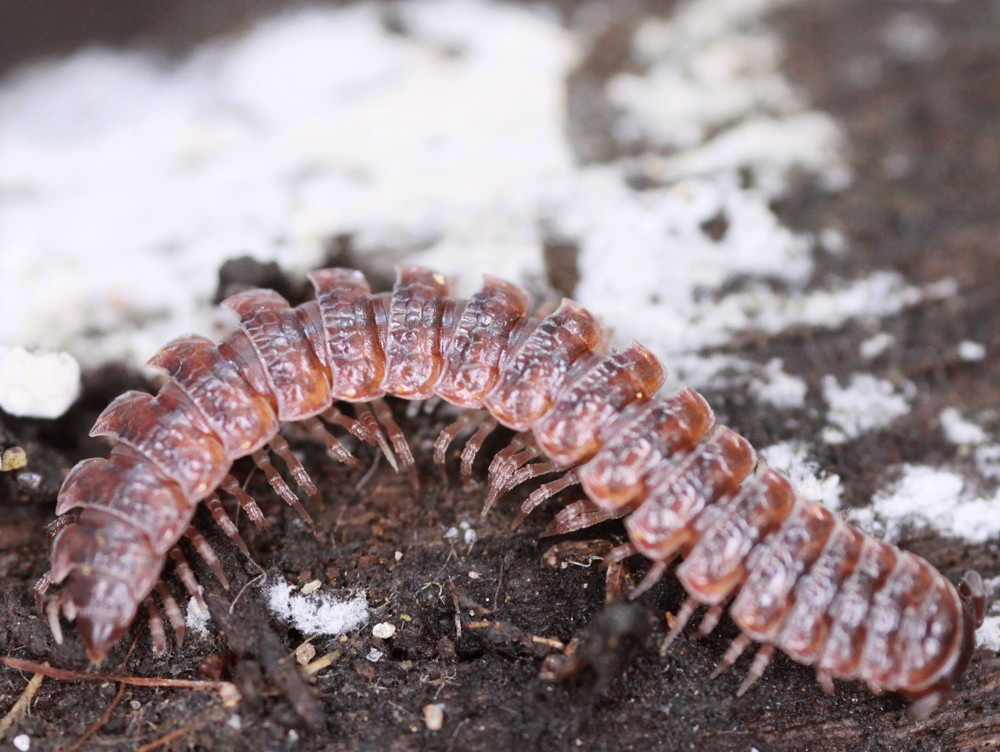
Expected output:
{"points": [[29, 481], [474, 575], [304, 653], [311, 587], [383, 630], [399, 556], [434, 716], [235, 722], [13, 459], [23, 742], [375, 655]]}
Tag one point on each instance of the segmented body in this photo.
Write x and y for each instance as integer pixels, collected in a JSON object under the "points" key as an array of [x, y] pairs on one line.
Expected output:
{"points": [[799, 578]]}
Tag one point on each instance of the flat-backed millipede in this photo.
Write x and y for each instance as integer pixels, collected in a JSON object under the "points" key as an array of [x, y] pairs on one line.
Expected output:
{"points": [[798, 578]]}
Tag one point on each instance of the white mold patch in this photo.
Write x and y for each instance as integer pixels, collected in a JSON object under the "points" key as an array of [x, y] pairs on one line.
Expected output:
{"points": [[317, 613], [792, 458], [928, 497], [197, 619], [866, 403], [37, 385], [134, 178], [960, 431]]}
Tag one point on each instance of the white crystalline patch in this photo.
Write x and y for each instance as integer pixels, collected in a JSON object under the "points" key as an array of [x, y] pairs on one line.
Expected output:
{"points": [[197, 619], [125, 181], [912, 37], [988, 461], [37, 385], [876, 345], [779, 388], [988, 635], [712, 62], [932, 497], [792, 458], [958, 430], [317, 613], [866, 403], [971, 351]]}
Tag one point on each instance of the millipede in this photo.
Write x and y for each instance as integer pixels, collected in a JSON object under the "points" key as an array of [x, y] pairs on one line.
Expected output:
{"points": [[795, 577]]}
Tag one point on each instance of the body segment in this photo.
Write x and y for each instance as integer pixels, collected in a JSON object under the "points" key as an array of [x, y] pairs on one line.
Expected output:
{"points": [[800, 579]]}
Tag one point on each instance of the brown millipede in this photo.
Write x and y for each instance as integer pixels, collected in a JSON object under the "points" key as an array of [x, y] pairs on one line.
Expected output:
{"points": [[798, 578]]}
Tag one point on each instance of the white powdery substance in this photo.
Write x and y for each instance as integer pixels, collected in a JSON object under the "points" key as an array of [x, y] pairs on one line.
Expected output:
{"points": [[876, 345], [693, 60], [792, 458], [988, 634], [712, 97], [317, 613], [960, 431], [864, 404], [126, 181], [928, 497], [37, 385], [197, 619], [134, 178], [779, 388]]}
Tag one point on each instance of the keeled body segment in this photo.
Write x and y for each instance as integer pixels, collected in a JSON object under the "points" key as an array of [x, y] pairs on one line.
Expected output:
{"points": [[798, 578]]}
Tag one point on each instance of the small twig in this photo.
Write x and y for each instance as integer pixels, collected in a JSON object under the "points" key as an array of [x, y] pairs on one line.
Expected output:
{"points": [[262, 577], [164, 739], [228, 692], [23, 703], [105, 717], [369, 473], [458, 612]]}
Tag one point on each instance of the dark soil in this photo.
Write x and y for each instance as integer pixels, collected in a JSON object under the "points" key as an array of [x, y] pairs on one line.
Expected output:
{"points": [[925, 145]]}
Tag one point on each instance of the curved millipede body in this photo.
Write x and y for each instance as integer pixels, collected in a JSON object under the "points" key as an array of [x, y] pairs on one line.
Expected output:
{"points": [[798, 578]]}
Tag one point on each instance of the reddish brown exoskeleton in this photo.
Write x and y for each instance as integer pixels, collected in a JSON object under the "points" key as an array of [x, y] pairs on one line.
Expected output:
{"points": [[798, 578]]}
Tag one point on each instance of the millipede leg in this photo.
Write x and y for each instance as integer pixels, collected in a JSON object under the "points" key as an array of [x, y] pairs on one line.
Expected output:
{"points": [[371, 427], [204, 549], [474, 444], [337, 450], [186, 575], [262, 461], [680, 621], [709, 621], [757, 668], [505, 464], [52, 612], [398, 439], [156, 627], [581, 514], [653, 576], [174, 615], [825, 679], [467, 418], [542, 493], [231, 486], [222, 520], [529, 472], [281, 448], [337, 418], [735, 651], [618, 582], [502, 459], [43, 584]]}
